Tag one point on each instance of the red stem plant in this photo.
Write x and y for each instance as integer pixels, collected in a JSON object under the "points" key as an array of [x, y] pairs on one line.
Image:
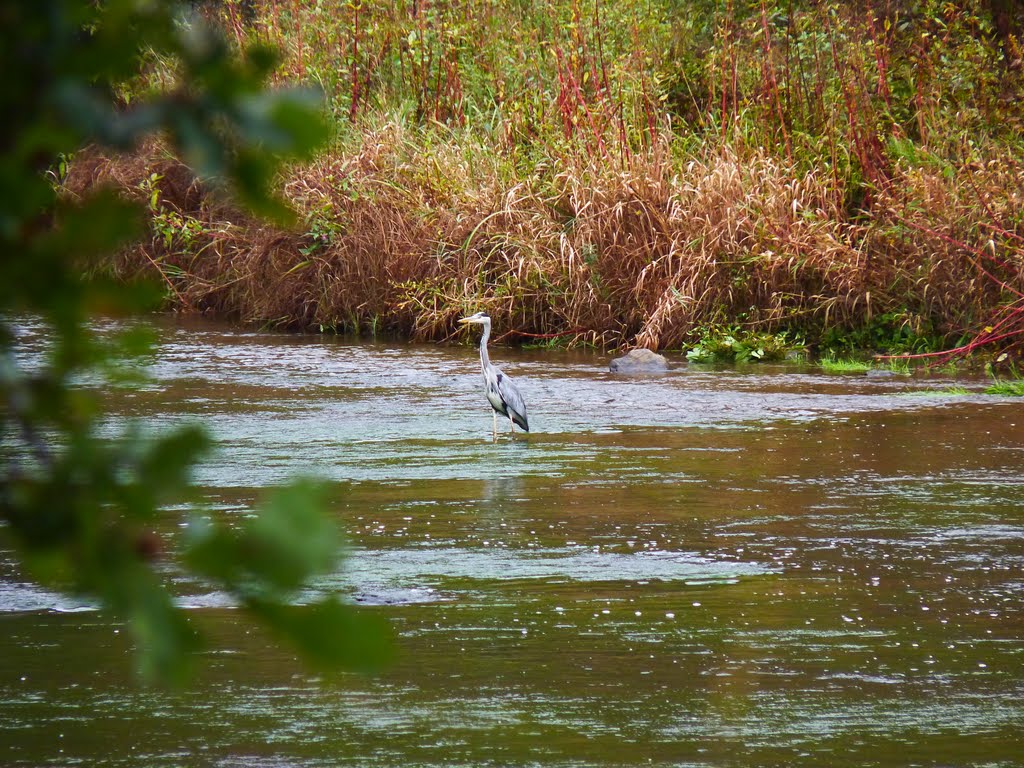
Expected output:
{"points": [[771, 82]]}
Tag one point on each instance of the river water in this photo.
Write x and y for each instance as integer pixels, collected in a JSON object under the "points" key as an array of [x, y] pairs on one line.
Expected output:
{"points": [[736, 567]]}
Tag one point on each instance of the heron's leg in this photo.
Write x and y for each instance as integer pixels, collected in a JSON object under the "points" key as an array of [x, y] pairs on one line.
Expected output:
{"points": [[494, 437], [511, 424]]}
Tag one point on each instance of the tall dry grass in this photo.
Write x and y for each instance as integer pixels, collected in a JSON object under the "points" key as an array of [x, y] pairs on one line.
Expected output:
{"points": [[401, 237]]}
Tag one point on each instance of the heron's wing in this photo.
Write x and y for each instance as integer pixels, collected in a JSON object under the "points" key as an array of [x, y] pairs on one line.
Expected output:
{"points": [[512, 399]]}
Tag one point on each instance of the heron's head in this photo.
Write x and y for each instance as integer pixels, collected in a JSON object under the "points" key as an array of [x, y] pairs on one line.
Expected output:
{"points": [[480, 318]]}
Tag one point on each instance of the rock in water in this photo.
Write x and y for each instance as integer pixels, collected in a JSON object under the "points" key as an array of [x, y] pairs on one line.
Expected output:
{"points": [[639, 361]]}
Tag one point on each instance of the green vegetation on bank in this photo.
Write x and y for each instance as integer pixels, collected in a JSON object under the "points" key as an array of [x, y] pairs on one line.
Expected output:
{"points": [[623, 173], [716, 345]]}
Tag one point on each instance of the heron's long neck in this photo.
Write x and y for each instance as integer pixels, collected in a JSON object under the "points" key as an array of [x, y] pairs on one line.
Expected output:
{"points": [[484, 359]]}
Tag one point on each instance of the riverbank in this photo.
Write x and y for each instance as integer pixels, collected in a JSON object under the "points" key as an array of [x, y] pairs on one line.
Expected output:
{"points": [[591, 205]]}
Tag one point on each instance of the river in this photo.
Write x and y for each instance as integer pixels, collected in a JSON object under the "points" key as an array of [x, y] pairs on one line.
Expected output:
{"points": [[712, 567]]}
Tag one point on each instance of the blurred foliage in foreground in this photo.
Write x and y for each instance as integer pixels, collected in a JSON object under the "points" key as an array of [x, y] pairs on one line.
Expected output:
{"points": [[79, 508], [623, 174]]}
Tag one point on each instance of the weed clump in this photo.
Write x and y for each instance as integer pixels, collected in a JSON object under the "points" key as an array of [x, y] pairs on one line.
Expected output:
{"points": [[832, 364], [736, 346]]}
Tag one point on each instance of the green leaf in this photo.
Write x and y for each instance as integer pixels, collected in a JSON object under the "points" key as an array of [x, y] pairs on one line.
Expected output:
{"points": [[273, 554], [297, 114], [166, 640], [94, 227], [330, 634], [202, 150], [262, 59], [299, 540], [167, 464]]}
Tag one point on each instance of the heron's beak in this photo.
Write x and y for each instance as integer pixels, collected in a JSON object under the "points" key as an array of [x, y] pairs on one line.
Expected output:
{"points": [[465, 320]]}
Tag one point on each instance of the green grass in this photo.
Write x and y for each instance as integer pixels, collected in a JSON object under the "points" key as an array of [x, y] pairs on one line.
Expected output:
{"points": [[833, 364], [1013, 387], [899, 366], [844, 365], [948, 391]]}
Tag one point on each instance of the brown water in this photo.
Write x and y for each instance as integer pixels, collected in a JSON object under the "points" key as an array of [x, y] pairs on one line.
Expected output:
{"points": [[741, 567]]}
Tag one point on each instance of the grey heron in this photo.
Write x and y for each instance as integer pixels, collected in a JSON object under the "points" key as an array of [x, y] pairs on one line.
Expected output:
{"points": [[502, 394]]}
